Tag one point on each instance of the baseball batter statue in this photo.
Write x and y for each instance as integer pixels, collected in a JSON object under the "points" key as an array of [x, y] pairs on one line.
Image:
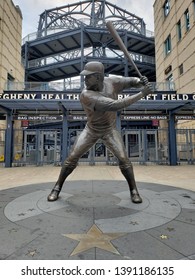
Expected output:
{"points": [[100, 102]]}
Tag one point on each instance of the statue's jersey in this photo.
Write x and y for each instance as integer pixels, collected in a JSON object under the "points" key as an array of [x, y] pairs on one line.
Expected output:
{"points": [[101, 107]]}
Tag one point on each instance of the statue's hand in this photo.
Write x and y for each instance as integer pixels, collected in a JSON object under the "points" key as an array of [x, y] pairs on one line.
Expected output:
{"points": [[144, 80], [148, 89]]}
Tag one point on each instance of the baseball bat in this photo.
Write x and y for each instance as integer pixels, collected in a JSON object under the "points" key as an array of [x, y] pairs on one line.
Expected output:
{"points": [[121, 45]]}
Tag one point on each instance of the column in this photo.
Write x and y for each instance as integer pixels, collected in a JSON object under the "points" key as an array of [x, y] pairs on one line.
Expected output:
{"points": [[64, 136], [172, 139], [9, 141]]}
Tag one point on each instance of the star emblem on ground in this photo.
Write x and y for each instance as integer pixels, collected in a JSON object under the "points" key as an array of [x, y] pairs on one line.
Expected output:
{"points": [[94, 238]]}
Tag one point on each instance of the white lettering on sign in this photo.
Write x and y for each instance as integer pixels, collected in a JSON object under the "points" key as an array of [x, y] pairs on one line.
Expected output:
{"points": [[141, 117], [49, 96], [181, 97], [76, 96], [150, 97], [18, 96]]}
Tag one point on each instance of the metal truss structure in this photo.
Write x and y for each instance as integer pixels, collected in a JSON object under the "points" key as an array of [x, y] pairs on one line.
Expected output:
{"points": [[71, 35], [88, 13]]}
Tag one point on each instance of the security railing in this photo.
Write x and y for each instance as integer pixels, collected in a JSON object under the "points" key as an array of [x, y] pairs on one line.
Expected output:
{"points": [[69, 84], [99, 52], [120, 25]]}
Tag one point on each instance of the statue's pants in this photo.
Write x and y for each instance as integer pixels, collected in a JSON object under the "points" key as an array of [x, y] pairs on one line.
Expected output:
{"points": [[113, 141]]}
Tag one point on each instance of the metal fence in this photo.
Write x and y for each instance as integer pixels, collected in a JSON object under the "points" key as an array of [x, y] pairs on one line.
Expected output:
{"points": [[143, 146], [147, 145], [185, 145], [69, 84], [36, 147]]}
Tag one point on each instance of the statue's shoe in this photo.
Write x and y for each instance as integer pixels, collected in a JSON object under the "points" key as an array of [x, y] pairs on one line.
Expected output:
{"points": [[53, 196], [135, 198]]}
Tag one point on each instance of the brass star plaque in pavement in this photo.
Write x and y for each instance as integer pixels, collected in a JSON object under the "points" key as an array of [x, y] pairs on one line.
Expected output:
{"points": [[32, 253], [94, 238]]}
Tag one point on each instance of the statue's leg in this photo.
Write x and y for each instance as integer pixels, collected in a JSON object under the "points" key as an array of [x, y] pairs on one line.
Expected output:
{"points": [[65, 171], [83, 143], [129, 176], [114, 142]]}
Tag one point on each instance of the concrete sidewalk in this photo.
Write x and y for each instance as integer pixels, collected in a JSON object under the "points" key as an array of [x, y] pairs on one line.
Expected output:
{"points": [[94, 217], [182, 176]]}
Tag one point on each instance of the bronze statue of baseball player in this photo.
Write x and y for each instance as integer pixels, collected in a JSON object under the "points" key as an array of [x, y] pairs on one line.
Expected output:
{"points": [[100, 102]]}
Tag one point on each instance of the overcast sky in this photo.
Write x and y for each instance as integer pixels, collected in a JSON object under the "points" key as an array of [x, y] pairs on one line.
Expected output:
{"points": [[31, 9]]}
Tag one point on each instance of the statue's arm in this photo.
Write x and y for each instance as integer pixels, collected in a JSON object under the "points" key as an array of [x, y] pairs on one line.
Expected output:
{"points": [[108, 104], [121, 83], [132, 82]]}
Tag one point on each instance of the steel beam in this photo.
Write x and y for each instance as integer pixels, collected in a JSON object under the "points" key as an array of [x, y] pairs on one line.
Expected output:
{"points": [[9, 141], [172, 139]]}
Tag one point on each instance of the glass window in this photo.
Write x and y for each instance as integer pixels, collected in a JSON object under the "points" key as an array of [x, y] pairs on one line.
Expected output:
{"points": [[179, 34], [194, 8], [170, 82], [10, 80], [166, 8], [181, 69], [168, 45], [187, 19]]}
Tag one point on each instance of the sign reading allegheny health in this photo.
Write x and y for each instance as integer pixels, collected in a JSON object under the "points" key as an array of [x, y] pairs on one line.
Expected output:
{"points": [[40, 96], [75, 97]]}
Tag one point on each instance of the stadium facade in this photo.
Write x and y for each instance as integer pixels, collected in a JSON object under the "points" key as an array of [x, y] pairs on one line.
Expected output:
{"points": [[43, 113]]}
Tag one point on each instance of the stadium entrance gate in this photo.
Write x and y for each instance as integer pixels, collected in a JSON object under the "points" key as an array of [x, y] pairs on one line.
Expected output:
{"points": [[44, 146]]}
